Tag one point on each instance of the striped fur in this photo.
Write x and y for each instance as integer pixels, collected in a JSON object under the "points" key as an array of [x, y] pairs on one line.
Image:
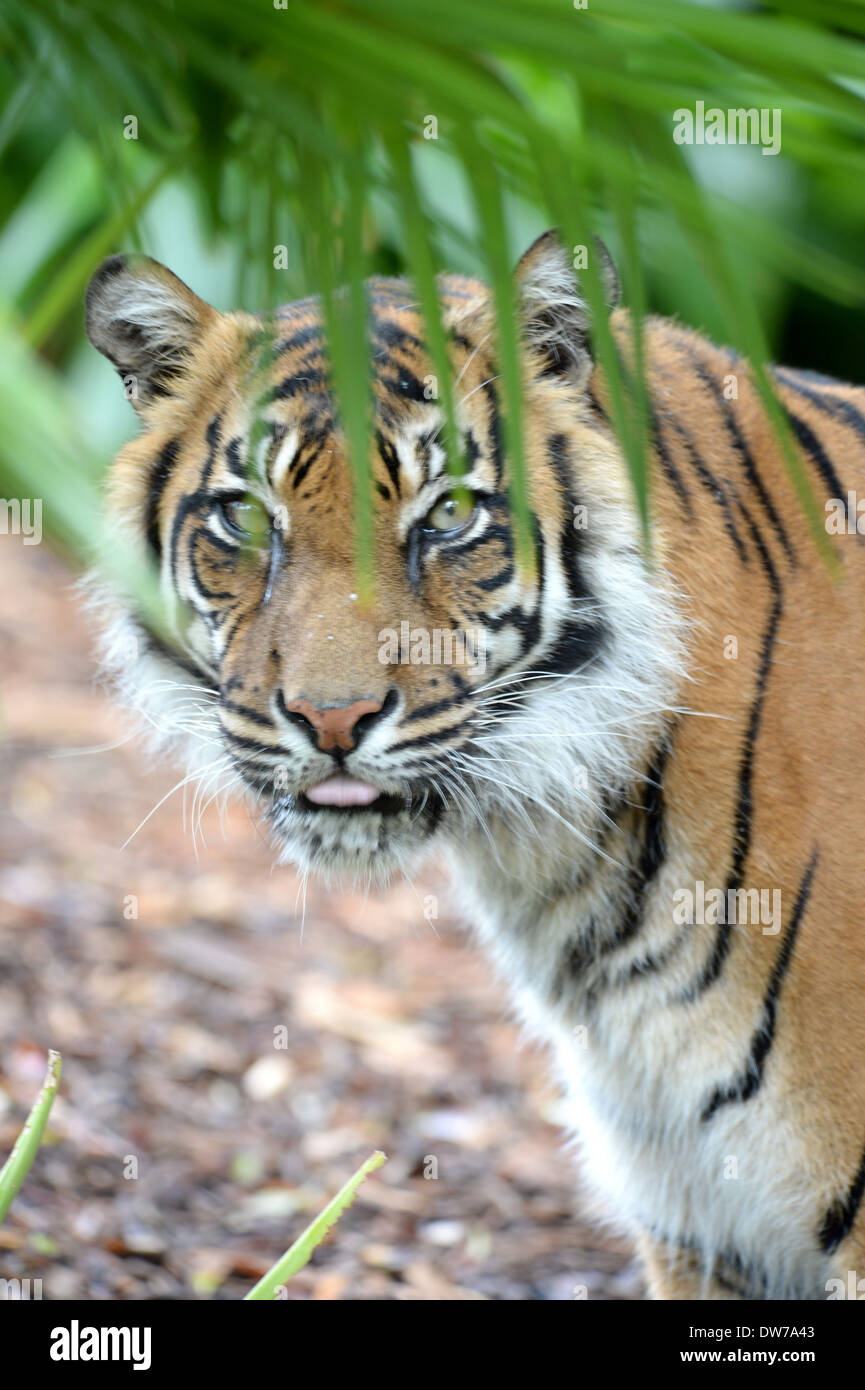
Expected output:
{"points": [[643, 725]]}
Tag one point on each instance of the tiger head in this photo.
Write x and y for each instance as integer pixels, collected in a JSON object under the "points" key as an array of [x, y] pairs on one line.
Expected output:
{"points": [[468, 697]]}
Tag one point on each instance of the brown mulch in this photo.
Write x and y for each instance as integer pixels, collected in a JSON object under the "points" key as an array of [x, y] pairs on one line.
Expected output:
{"points": [[229, 1060]]}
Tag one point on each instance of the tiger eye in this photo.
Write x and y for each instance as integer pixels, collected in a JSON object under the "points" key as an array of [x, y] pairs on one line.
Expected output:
{"points": [[246, 517], [451, 513]]}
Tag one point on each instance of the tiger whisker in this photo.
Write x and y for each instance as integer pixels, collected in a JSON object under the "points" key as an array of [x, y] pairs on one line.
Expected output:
{"points": [[184, 781]]}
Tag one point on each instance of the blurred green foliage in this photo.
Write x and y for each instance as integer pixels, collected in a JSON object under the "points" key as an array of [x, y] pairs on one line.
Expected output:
{"points": [[302, 123]]}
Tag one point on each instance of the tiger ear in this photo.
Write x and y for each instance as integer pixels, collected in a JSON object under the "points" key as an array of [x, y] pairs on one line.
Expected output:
{"points": [[555, 312], [145, 321]]}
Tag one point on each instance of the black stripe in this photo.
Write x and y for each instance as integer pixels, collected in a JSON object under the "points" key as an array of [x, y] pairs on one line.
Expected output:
{"points": [[298, 470], [404, 384], [231, 548], [384, 289], [653, 850], [841, 1216], [811, 444], [591, 945], [423, 740], [240, 741], [816, 378], [242, 617], [388, 335], [715, 488], [839, 407], [650, 965], [737, 439], [674, 476], [389, 458], [192, 501], [213, 435], [580, 638], [461, 340], [260, 776], [296, 385], [233, 460], [254, 715], [188, 505], [495, 431], [313, 361], [311, 334], [196, 535], [495, 581], [493, 532], [748, 1083], [571, 541], [278, 433], [159, 475], [426, 711], [744, 802], [472, 449], [528, 624], [575, 645], [612, 808], [314, 432]]}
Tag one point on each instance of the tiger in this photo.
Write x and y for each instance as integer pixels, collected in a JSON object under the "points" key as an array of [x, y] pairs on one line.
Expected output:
{"points": [[642, 774]]}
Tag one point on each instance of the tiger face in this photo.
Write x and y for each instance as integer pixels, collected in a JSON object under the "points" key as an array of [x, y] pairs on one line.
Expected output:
{"points": [[468, 694]]}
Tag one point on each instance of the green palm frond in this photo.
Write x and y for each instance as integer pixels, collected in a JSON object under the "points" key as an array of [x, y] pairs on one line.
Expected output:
{"points": [[371, 136]]}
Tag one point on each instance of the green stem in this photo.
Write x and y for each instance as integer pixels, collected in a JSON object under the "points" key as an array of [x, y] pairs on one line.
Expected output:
{"points": [[17, 1165], [298, 1254]]}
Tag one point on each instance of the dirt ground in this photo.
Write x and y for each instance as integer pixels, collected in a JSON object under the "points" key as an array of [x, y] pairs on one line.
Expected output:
{"points": [[228, 1062]]}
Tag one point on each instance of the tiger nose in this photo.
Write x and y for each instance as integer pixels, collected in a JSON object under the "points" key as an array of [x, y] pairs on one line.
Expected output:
{"points": [[335, 727]]}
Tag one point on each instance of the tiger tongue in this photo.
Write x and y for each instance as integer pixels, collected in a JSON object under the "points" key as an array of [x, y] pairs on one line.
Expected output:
{"points": [[342, 791]]}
